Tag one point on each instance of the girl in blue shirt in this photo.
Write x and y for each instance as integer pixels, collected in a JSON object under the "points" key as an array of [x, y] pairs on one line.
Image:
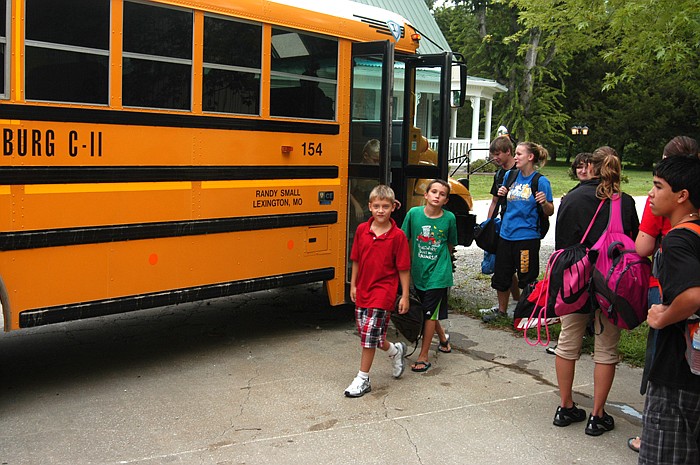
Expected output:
{"points": [[519, 247]]}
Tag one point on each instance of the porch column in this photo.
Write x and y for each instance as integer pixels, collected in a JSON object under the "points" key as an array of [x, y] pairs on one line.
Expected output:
{"points": [[489, 113], [453, 123], [476, 111]]}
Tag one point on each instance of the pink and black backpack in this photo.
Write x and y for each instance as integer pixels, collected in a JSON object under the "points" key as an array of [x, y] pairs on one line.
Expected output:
{"points": [[620, 277]]}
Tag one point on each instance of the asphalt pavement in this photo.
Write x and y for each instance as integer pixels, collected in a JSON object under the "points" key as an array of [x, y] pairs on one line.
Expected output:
{"points": [[259, 379]]}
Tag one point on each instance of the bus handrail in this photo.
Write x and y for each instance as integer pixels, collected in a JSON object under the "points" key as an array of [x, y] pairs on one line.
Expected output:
{"points": [[468, 160]]}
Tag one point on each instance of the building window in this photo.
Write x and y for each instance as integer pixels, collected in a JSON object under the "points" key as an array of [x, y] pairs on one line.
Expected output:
{"points": [[304, 75], [67, 51], [157, 57], [232, 63]]}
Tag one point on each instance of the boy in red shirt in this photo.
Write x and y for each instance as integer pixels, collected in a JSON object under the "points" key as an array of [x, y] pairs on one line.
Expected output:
{"points": [[380, 259]]}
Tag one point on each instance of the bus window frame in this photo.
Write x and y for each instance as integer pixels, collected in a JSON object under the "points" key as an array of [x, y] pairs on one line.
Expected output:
{"points": [[161, 58], [5, 43], [64, 47], [238, 69], [302, 77]]}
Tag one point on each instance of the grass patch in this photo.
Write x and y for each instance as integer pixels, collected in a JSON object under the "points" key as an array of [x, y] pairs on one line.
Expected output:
{"points": [[638, 181]]}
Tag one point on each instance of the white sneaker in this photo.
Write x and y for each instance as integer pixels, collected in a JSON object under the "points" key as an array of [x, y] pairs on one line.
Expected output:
{"points": [[493, 309], [358, 387], [398, 361]]}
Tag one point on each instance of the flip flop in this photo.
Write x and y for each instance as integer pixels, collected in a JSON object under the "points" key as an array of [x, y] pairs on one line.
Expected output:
{"points": [[421, 366], [632, 446], [444, 347]]}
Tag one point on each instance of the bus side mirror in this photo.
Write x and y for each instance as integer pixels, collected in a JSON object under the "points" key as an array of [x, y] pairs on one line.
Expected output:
{"points": [[459, 95]]}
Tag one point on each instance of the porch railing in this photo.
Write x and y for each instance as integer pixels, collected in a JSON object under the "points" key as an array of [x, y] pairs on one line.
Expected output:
{"points": [[459, 150]]}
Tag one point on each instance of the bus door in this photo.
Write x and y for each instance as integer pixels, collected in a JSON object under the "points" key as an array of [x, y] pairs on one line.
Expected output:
{"points": [[370, 149], [425, 126]]}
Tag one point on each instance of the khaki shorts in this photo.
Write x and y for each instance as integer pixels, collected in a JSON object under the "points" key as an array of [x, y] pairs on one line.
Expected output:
{"points": [[573, 327]]}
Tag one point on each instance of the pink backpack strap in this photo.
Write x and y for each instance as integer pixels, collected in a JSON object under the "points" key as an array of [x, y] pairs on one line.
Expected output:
{"points": [[590, 225], [615, 222]]}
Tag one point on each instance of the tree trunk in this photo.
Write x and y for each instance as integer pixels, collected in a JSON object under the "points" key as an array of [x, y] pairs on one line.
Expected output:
{"points": [[528, 85]]}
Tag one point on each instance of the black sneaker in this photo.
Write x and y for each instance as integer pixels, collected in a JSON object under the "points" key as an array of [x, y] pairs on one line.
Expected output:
{"points": [[599, 425], [566, 416]]}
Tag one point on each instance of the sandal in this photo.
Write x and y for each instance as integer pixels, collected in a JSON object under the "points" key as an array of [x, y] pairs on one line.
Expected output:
{"points": [[444, 347], [631, 441], [421, 366]]}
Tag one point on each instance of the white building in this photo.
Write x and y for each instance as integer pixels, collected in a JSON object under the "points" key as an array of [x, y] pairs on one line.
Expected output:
{"points": [[479, 94]]}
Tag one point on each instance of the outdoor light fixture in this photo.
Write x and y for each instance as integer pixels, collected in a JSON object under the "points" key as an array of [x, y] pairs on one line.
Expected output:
{"points": [[579, 130]]}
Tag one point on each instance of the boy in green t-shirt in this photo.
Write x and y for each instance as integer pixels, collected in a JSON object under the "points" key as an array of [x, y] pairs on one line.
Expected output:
{"points": [[432, 235]]}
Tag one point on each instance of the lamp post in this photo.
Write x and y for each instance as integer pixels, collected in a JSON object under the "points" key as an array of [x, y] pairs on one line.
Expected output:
{"points": [[579, 131]]}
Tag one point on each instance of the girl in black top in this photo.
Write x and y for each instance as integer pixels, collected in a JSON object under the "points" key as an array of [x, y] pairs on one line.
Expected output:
{"points": [[575, 213]]}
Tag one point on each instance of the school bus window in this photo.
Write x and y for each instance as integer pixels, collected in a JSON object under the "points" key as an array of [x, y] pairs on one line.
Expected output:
{"points": [[67, 51], [157, 62], [232, 62], [304, 75]]}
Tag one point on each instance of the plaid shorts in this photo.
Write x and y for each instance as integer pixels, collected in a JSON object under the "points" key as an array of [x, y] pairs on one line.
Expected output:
{"points": [[670, 426], [372, 324]]}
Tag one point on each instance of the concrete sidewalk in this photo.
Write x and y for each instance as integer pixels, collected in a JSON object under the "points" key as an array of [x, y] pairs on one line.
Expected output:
{"points": [[257, 380], [491, 401]]}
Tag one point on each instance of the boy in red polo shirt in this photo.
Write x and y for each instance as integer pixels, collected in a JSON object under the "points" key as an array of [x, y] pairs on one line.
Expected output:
{"points": [[380, 259]]}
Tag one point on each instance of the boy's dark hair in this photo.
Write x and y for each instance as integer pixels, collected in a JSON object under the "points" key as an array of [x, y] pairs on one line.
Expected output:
{"points": [[681, 145], [681, 173], [502, 144], [442, 182], [581, 158]]}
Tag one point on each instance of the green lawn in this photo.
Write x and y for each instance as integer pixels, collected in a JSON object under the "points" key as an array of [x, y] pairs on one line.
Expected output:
{"points": [[638, 182]]}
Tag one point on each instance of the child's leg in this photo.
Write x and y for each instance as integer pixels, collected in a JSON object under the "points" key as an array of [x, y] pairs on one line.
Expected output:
{"points": [[514, 289], [388, 346], [367, 359], [444, 345], [503, 299], [428, 332], [440, 332], [372, 324]]}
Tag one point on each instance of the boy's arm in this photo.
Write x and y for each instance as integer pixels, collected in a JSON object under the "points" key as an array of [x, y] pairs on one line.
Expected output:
{"points": [[682, 307], [645, 244], [494, 202], [353, 281], [405, 278]]}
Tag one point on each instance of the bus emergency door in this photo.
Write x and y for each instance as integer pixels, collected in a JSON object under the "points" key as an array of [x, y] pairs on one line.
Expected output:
{"points": [[424, 126], [370, 150]]}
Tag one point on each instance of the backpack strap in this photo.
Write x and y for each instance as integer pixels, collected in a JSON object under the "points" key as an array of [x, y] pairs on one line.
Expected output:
{"points": [[508, 180], [590, 225], [615, 221], [690, 226], [534, 182]]}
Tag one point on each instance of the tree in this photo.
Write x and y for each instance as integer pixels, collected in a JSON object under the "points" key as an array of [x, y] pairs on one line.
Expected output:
{"points": [[654, 38], [629, 69], [526, 45]]}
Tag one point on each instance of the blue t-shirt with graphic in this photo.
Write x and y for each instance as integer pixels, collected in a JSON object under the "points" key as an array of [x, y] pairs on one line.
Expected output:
{"points": [[521, 219]]}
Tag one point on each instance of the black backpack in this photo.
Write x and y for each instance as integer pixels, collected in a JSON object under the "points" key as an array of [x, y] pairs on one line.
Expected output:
{"points": [[543, 224], [410, 324]]}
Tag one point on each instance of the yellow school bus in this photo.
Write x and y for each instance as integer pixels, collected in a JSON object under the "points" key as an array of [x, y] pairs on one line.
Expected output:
{"points": [[164, 151]]}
